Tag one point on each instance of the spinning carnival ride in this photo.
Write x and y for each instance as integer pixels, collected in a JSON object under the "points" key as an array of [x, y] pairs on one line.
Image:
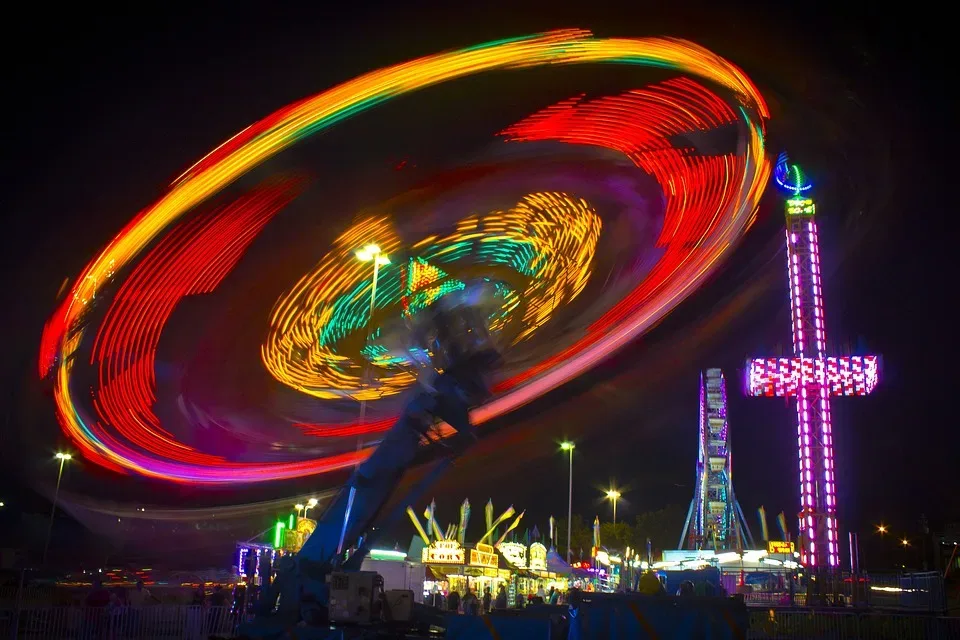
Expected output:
{"points": [[333, 340]]}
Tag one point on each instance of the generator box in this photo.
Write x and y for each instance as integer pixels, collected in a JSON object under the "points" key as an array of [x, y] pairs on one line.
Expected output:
{"points": [[354, 597], [398, 605]]}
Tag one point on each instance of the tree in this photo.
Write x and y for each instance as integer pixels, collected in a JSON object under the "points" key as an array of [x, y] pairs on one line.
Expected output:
{"points": [[662, 527], [580, 534]]}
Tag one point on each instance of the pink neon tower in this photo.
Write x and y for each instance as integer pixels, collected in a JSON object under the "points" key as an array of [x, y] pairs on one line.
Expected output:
{"points": [[811, 376]]}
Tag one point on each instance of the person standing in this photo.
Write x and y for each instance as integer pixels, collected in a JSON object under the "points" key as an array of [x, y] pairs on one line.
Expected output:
{"points": [[554, 596], [501, 602], [487, 600], [471, 604], [453, 602]]}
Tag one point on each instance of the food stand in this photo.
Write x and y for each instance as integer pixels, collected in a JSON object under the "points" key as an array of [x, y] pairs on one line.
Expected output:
{"points": [[456, 567]]}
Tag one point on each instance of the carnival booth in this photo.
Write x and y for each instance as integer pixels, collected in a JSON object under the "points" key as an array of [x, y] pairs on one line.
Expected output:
{"points": [[454, 567], [451, 565]]}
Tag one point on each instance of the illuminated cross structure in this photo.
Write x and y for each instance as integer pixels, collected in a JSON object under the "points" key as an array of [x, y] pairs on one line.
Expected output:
{"points": [[811, 376]]}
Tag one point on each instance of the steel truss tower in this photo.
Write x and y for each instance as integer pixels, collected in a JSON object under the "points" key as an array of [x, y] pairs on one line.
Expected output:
{"points": [[714, 520], [811, 376]]}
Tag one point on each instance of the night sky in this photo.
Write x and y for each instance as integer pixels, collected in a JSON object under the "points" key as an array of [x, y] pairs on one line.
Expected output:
{"points": [[103, 112]]}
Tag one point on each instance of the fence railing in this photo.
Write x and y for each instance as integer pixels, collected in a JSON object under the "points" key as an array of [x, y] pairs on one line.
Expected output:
{"points": [[771, 599], [804, 625], [118, 623], [199, 623], [9, 595]]}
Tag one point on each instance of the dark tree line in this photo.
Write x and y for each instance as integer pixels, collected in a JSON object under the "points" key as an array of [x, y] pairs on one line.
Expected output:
{"points": [[663, 527]]}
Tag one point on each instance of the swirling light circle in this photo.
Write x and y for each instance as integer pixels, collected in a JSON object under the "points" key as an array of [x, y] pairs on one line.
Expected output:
{"points": [[710, 202], [549, 239]]}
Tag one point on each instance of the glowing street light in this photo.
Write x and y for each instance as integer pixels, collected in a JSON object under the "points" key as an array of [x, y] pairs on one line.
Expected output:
{"points": [[881, 529], [371, 253], [566, 445], [905, 542], [63, 458], [614, 495], [299, 508], [311, 503]]}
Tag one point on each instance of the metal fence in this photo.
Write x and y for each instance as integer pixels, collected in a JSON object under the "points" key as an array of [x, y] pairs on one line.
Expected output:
{"points": [[200, 623], [908, 592], [11, 595], [811, 625], [118, 623], [922, 591], [778, 599]]}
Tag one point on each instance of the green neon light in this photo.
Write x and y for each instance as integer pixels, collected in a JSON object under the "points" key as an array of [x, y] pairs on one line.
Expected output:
{"points": [[798, 206], [423, 284], [278, 535]]}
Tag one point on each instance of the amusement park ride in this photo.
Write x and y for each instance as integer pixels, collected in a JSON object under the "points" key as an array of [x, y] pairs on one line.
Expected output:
{"points": [[320, 586], [715, 520], [811, 376]]}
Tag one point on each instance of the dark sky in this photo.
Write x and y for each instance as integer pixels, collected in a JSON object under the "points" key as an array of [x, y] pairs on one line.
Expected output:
{"points": [[103, 112]]}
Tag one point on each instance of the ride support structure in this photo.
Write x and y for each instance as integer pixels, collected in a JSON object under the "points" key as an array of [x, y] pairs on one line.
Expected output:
{"points": [[301, 592], [811, 376], [714, 520]]}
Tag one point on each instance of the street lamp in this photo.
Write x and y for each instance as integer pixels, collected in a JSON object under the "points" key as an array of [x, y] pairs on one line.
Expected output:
{"points": [[62, 457], [905, 542], [569, 447], [299, 508], [881, 529], [371, 253], [613, 494], [311, 503]]}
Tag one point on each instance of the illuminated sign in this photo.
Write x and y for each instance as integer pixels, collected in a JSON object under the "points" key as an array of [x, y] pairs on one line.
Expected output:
{"points": [[443, 552], [295, 537], [778, 546], [800, 207], [538, 557], [515, 552], [484, 556]]}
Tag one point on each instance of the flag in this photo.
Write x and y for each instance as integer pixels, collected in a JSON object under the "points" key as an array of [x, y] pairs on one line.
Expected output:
{"points": [[430, 515], [509, 529], [464, 521], [416, 525], [553, 532], [491, 530], [596, 532], [762, 513]]}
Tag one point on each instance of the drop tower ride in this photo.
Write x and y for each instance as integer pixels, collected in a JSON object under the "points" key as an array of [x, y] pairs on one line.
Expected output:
{"points": [[811, 376]]}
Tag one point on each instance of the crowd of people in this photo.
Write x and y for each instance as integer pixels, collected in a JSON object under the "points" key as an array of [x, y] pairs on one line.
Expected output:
{"points": [[470, 604], [121, 611]]}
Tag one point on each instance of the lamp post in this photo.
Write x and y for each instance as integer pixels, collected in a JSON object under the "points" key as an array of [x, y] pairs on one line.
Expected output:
{"points": [[62, 457], [371, 253], [614, 495], [569, 447], [311, 503]]}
